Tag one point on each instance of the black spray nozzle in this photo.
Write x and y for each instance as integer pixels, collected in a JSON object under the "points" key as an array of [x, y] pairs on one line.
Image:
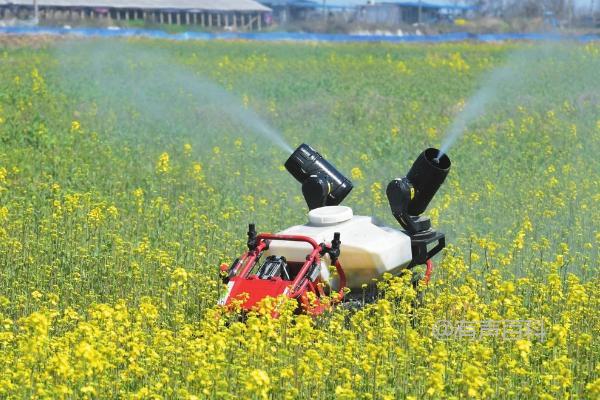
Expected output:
{"points": [[322, 184], [426, 175], [409, 196]]}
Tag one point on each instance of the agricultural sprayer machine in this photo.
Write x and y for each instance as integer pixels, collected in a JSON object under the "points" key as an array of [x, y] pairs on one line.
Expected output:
{"points": [[297, 261]]}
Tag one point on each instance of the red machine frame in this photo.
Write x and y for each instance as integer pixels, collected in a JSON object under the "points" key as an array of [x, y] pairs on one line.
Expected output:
{"points": [[249, 289]]}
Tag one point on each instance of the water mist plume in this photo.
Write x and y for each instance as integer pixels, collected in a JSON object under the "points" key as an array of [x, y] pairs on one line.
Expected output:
{"points": [[501, 86], [147, 89]]}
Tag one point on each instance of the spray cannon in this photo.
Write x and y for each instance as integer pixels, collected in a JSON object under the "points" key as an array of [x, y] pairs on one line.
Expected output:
{"points": [[409, 197], [298, 260], [322, 184]]}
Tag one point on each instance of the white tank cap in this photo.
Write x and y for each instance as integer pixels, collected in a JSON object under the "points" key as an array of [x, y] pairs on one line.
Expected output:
{"points": [[329, 215]]}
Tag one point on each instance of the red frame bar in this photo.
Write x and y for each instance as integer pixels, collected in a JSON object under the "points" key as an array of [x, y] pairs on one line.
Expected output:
{"points": [[297, 284], [300, 282], [250, 259], [289, 238]]}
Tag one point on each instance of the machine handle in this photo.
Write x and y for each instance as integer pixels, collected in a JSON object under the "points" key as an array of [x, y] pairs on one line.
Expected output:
{"points": [[289, 238]]}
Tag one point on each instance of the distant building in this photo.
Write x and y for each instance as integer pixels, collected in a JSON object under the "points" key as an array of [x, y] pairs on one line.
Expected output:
{"points": [[393, 12], [291, 10], [231, 14], [376, 12], [294, 10]]}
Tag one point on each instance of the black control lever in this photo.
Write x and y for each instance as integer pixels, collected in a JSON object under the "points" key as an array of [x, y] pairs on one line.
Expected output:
{"points": [[333, 250], [252, 240]]}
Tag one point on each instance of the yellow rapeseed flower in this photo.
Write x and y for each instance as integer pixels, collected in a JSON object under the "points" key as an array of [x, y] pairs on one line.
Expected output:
{"points": [[356, 173], [162, 165], [75, 126]]}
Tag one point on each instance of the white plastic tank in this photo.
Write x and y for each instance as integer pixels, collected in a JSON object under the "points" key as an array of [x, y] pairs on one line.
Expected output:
{"points": [[368, 250]]}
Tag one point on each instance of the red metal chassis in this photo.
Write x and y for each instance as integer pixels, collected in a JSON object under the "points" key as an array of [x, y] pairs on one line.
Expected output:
{"points": [[250, 290]]}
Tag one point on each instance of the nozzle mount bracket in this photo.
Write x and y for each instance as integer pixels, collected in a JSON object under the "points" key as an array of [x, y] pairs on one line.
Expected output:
{"points": [[419, 243]]}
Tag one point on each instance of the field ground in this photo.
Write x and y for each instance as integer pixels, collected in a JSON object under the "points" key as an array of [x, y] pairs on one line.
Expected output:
{"points": [[127, 176]]}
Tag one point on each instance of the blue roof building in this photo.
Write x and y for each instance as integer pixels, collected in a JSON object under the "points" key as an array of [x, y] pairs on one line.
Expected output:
{"points": [[387, 12], [394, 12]]}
